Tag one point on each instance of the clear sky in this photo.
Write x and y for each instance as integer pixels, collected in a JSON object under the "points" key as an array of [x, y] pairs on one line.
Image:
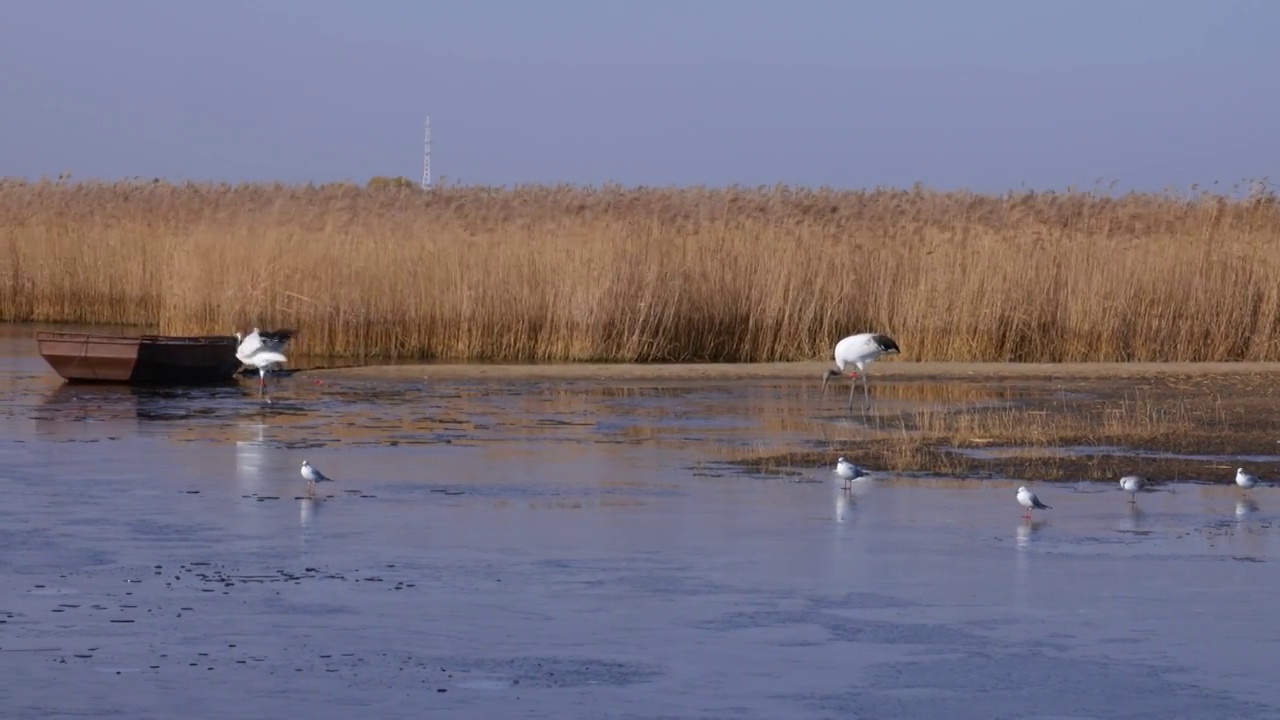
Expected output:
{"points": [[983, 94]]}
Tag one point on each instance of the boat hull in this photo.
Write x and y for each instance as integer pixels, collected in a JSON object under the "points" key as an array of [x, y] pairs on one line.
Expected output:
{"points": [[146, 359]]}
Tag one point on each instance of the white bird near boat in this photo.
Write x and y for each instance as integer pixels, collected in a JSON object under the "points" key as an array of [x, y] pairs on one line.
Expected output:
{"points": [[1028, 500], [1132, 484], [263, 351], [859, 351], [313, 476], [272, 340], [848, 471], [1245, 480]]}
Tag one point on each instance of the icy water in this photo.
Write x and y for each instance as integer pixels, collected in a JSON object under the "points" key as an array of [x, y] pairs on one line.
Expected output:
{"points": [[497, 549]]}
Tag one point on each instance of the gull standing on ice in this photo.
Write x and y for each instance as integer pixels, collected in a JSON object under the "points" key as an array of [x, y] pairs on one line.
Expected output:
{"points": [[313, 476], [1028, 500], [859, 351], [849, 472], [1132, 484], [1245, 480], [263, 350]]}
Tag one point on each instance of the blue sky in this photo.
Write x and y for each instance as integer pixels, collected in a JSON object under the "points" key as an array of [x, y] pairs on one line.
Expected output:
{"points": [[985, 94]]}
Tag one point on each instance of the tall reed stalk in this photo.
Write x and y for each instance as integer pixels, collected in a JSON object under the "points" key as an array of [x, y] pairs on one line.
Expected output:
{"points": [[614, 274]]}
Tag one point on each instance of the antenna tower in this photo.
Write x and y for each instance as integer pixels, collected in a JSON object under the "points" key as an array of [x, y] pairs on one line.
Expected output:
{"points": [[426, 153]]}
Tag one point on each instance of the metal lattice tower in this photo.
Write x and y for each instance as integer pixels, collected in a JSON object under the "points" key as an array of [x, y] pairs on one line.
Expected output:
{"points": [[426, 153]]}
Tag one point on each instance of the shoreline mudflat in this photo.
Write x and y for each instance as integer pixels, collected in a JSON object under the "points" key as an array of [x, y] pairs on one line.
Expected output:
{"points": [[791, 371]]}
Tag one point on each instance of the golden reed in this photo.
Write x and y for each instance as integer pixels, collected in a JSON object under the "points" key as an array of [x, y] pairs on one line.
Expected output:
{"points": [[564, 273]]}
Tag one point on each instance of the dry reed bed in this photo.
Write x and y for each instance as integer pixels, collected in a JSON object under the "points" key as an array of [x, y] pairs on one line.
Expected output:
{"points": [[615, 274]]}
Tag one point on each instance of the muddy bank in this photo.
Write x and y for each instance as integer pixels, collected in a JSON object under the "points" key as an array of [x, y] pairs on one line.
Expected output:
{"points": [[792, 371], [1170, 428], [1099, 464]]}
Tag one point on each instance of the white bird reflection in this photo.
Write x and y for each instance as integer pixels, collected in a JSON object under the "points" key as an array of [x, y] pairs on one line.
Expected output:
{"points": [[844, 501], [251, 457], [1133, 519], [309, 531], [1027, 531], [1025, 534], [308, 511], [1245, 507]]}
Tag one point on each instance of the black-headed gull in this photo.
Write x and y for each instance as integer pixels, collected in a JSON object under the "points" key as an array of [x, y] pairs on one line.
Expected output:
{"points": [[848, 471], [313, 476], [1245, 480], [1132, 484], [1028, 500]]}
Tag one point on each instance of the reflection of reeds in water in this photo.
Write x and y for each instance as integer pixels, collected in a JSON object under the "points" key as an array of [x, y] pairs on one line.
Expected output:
{"points": [[614, 389], [933, 393], [1127, 421], [927, 432]]}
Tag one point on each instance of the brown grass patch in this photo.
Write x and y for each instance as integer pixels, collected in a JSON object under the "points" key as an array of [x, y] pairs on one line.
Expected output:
{"points": [[1026, 433], [613, 274]]}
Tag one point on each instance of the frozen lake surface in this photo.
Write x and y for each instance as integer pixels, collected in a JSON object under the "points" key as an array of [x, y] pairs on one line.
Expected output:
{"points": [[499, 549]]}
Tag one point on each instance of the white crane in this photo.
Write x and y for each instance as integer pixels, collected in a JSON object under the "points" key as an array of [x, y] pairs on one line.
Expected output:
{"points": [[859, 351], [1132, 484], [263, 350], [1028, 500]]}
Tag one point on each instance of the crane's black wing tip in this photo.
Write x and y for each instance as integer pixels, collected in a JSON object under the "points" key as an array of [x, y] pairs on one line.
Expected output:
{"points": [[282, 335], [885, 343], [278, 372]]}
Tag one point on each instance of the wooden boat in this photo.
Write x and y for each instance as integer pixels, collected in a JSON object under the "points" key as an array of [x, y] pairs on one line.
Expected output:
{"points": [[145, 359]]}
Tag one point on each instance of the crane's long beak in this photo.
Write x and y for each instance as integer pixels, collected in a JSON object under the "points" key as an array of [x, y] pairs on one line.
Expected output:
{"points": [[825, 377]]}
